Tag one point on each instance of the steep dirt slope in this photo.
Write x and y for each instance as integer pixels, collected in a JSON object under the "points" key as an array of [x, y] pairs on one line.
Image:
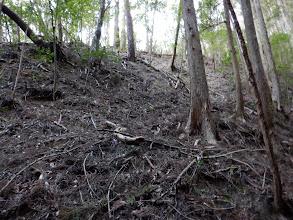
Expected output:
{"points": [[62, 159]]}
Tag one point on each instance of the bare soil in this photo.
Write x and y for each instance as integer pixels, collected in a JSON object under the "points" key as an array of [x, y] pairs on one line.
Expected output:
{"points": [[64, 159]]}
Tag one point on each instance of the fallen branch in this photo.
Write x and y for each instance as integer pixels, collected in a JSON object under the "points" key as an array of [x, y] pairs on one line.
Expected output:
{"points": [[34, 162], [149, 162], [85, 174], [184, 171], [229, 153], [108, 194], [43, 68]]}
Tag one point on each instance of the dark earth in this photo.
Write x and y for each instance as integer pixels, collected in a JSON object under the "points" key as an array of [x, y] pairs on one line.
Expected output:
{"points": [[65, 159]]}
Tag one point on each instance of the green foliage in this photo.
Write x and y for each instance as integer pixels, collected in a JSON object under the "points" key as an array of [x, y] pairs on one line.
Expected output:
{"points": [[227, 59], [283, 55], [44, 55], [100, 55], [216, 43], [209, 13]]}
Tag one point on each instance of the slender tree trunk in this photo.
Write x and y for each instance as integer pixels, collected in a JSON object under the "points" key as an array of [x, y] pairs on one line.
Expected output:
{"points": [[107, 31], [179, 16], [244, 66], [116, 26], [152, 38], [130, 36], [1, 30], [239, 94], [200, 116], [276, 97], [123, 32], [146, 23], [261, 80], [42, 26], [266, 127], [60, 30], [259, 40], [100, 24]]}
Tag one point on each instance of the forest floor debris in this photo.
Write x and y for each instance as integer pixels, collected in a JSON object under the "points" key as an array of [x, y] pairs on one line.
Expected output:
{"points": [[62, 159]]}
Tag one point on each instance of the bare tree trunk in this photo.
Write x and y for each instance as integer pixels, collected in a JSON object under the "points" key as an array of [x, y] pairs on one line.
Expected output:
{"points": [[200, 116], [100, 24], [267, 128], [30, 34], [60, 30], [116, 26], [130, 36], [179, 16], [146, 23], [259, 40], [1, 30], [107, 31], [152, 38], [18, 20], [261, 80], [42, 26], [123, 32], [239, 94], [276, 97]]}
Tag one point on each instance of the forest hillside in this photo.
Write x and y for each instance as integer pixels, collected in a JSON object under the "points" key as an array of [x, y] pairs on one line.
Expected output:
{"points": [[146, 109], [113, 145]]}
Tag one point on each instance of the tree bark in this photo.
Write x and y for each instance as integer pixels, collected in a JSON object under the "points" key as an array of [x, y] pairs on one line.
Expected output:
{"points": [[130, 36], [267, 128], [151, 39], [31, 35], [116, 26], [269, 54], [146, 23], [123, 32], [254, 52], [244, 66], [100, 24], [200, 116], [1, 30], [179, 16], [239, 94], [60, 28]]}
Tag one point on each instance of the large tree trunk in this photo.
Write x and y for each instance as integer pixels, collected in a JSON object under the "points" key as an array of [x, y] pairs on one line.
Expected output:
{"points": [[179, 16], [254, 52], [31, 35], [259, 40], [123, 32], [116, 26], [200, 116], [130, 36], [269, 54], [266, 127], [100, 24], [239, 94]]}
